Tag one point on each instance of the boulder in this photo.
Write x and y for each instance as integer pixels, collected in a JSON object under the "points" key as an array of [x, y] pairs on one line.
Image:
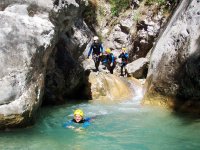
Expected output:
{"points": [[138, 68], [108, 87], [27, 38]]}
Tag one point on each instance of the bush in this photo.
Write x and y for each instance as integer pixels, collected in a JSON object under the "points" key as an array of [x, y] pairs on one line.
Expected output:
{"points": [[118, 6], [151, 2]]}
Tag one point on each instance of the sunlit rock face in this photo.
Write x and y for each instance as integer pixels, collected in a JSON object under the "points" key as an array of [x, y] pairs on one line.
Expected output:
{"points": [[108, 87], [138, 68], [175, 60], [27, 38]]}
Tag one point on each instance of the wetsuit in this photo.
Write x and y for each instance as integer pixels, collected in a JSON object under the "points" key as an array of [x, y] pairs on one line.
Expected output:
{"points": [[124, 57], [85, 123], [96, 49], [110, 62]]}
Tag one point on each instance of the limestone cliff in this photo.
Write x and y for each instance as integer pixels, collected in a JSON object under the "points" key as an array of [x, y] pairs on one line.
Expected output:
{"points": [[27, 38], [175, 60]]}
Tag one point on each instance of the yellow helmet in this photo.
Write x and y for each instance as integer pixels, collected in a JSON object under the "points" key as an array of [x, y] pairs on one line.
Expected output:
{"points": [[108, 50], [78, 112], [123, 48]]}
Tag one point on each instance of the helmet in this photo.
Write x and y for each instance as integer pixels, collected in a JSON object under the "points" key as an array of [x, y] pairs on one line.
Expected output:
{"points": [[123, 48], [95, 38], [108, 50], [78, 112]]}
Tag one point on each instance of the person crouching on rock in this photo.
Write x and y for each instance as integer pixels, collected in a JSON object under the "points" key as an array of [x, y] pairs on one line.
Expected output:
{"points": [[109, 60]]}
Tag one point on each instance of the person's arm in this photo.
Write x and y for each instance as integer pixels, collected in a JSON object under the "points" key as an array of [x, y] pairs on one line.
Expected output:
{"points": [[101, 49], [86, 124], [126, 55], [90, 51], [112, 58], [120, 56]]}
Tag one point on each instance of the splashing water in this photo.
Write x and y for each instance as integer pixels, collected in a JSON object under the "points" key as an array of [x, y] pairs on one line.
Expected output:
{"points": [[122, 126]]}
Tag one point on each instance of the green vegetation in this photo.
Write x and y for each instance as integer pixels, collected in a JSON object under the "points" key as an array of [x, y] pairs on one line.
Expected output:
{"points": [[151, 2], [118, 6], [136, 16]]}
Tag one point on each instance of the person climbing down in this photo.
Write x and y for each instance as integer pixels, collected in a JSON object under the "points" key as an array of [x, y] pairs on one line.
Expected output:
{"points": [[78, 120], [124, 61], [109, 60], [97, 50]]}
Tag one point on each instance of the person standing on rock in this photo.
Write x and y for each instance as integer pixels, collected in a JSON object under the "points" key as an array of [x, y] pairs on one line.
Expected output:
{"points": [[97, 50], [124, 61], [109, 60]]}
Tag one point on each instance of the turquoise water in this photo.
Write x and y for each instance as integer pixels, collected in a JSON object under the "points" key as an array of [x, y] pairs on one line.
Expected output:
{"points": [[123, 126]]}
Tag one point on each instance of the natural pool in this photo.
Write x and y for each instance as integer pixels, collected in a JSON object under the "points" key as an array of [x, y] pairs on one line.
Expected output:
{"points": [[122, 126]]}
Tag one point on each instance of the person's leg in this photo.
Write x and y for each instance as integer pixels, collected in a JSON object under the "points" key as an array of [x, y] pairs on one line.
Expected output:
{"points": [[97, 63], [121, 70], [112, 68], [125, 71], [95, 59]]}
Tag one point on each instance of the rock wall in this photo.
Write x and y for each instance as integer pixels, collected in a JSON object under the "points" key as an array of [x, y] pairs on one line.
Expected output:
{"points": [[175, 60], [64, 71], [27, 39]]}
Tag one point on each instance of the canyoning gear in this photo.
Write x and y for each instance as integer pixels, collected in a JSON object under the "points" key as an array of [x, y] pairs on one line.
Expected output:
{"points": [[109, 58], [97, 59], [84, 122], [124, 49], [124, 58], [108, 50], [110, 62], [95, 38], [97, 50], [78, 112]]}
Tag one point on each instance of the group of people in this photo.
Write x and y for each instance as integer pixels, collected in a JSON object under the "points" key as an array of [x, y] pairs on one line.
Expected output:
{"points": [[107, 58]]}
